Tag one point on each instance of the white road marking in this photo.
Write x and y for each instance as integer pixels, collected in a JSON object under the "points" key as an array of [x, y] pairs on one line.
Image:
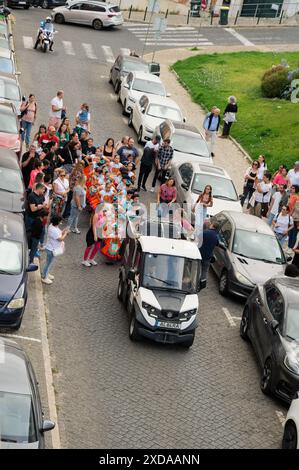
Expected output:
{"points": [[104, 76], [178, 43], [238, 36], [281, 417], [169, 35], [176, 39], [125, 51], [112, 96], [2, 355], [89, 50], [108, 54], [68, 47], [22, 337], [125, 120], [178, 29], [237, 318], [28, 42], [228, 316]]}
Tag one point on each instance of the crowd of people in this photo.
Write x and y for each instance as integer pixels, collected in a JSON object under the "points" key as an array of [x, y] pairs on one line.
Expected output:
{"points": [[65, 171]]}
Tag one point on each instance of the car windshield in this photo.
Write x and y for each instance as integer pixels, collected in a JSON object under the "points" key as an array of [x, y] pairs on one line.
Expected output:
{"points": [[6, 65], [292, 322], [8, 123], [131, 66], [189, 143], [170, 273], [258, 246], [16, 418], [147, 86], [10, 180], [9, 91], [11, 257], [164, 112], [223, 188], [4, 43]]}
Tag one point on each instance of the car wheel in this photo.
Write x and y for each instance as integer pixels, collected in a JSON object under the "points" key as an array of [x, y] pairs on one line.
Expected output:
{"points": [[140, 136], [45, 4], [97, 25], [266, 378], [120, 289], [59, 18], [133, 328], [117, 86], [244, 325], [130, 120], [188, 343], [290, 438], [223, 283], [45, 47], [124, 110]]}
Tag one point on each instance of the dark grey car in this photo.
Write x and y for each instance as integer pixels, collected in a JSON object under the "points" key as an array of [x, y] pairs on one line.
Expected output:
{"points": [[21, 418], [122, 66], [12, 189], [248, 253]]}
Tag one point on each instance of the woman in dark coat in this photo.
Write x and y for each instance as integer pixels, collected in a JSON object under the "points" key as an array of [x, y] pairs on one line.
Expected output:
{"points": [[229, 116]]}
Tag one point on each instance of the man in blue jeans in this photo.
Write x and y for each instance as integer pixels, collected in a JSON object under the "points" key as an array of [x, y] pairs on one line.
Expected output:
{"points": [[210, 240]]}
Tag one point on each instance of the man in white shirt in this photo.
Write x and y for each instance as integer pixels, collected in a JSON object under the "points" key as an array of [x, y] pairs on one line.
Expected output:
{"points": [[262, 196], [280, 196], [56, 109], [282, 225], [293, 175]]}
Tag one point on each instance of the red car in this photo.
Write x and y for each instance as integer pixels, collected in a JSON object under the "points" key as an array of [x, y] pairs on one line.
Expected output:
{"points": [[9, 127]]}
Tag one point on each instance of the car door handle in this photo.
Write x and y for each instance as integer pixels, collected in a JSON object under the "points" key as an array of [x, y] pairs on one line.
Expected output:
{"points": [[265, 320]]}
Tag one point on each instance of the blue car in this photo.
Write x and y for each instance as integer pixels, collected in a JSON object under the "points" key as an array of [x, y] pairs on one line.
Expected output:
{"points": [[14, 269]]}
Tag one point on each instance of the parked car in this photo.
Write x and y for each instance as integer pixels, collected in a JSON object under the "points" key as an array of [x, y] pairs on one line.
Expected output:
{"points": [[21, 416], [291, 426], [9, 127], [136, 84], [49, 3], [270, 321], [191, 179], [7, 65], [167, 227], [158, 283], [26, 4], [122, 66], [149, 111], [5, 41], [187, 141], [12, 189], [14, 269], [248, 253], [10, 90], [96, 14], [4, 28]]}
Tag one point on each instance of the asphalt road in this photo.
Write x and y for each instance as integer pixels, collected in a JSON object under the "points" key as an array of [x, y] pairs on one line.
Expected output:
{"points": [[112, 393]]}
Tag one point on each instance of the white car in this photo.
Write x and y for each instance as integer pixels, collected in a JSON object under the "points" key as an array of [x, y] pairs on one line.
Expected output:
{"points": [[291, 427], [191, 179], [149, 112], [96, 14], [137, 84]]}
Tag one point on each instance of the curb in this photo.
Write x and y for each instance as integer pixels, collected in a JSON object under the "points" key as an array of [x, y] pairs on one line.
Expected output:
{"points": [[216, 25]]}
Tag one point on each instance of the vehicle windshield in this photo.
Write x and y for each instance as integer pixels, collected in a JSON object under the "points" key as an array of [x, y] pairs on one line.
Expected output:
{"points": [[10, 180], [4, 43], [16, 418], [190, 144], [258, 246], [292, 322], [170, 273], [135, 66], [9, 91], [11, 257], [164, 112], [6, 65], [8, 123], [223, 188], [147, 86]]}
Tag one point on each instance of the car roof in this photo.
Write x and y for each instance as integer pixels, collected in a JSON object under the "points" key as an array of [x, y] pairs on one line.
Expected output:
{"points": [[146, 76], [249, 222], [131, 58], [9, 159], [5, 53], [13, 368], [290, 288], [183, 126], [162, 100], [12, 226], [169, 246], [209, 169]]}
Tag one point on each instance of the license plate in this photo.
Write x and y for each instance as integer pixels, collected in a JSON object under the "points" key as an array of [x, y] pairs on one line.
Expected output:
{"points": [[168, 324], [22, 3]]}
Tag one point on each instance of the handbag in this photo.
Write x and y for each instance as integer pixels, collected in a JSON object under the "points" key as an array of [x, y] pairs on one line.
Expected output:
{"points": [[59, 250], [22, 114], [229, 117]]}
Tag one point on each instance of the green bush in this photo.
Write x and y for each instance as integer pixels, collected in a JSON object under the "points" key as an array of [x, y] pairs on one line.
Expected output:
{"points": [[275, 82]]}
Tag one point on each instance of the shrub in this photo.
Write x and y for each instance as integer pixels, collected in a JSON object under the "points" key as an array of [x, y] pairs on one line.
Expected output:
{"points": [[274, 82]]}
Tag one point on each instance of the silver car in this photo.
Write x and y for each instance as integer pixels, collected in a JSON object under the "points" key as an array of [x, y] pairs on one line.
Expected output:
{"points": [[96, 14]]}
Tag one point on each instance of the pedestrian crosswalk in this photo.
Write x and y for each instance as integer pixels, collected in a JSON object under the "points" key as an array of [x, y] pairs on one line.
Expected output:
{"points": [[184, 36]]}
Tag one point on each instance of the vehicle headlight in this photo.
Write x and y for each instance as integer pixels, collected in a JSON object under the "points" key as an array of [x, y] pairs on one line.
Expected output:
{"points": [[184, 316], [16, 303], [152, 311], [292, 363], [148, 129], [243, 279]]}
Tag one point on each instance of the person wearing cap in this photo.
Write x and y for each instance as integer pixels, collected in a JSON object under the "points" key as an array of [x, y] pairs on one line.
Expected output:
{"points": [[293, 175], [147, 161]]}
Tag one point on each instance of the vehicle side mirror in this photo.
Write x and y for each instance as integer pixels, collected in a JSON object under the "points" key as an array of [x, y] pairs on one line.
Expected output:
{"points": [[47, 425], [132, 275], [222, 245], [274, 325], [31, 267], [18, 73], [185, 186], [168, 95]]}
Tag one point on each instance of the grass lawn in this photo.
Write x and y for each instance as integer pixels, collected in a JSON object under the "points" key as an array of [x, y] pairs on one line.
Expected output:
{"points": [[264, 126]]}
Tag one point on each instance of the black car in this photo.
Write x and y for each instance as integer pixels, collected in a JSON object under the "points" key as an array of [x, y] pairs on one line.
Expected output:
{"points": [[12, 189], [48, 3], [21, 416], [13, 269], [122, 66], [271, 322], [19, 3]]}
